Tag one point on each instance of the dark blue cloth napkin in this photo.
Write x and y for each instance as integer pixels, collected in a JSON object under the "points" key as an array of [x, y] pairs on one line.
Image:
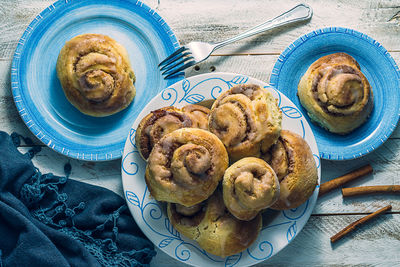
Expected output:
{"points": [[46, 220]]}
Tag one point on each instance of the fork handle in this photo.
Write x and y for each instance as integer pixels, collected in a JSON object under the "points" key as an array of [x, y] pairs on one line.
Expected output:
{"points": [[300, 12]]}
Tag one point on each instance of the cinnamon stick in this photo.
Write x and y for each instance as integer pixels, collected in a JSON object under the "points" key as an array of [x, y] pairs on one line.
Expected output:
{"points": [[364, 190], [337, 182], [357, 223]]}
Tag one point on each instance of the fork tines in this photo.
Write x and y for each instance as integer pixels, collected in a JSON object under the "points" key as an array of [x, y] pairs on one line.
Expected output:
{"points": [[176, 62]]}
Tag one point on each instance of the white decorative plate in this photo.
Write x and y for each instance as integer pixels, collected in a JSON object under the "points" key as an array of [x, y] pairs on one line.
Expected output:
{"points": [[280, 228]]}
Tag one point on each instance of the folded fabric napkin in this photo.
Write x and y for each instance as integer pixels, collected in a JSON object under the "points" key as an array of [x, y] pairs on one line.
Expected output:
{"points": [[46, 220]]}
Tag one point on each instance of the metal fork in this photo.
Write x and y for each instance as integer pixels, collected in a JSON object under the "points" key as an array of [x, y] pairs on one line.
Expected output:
{"points": [[196, 52]]}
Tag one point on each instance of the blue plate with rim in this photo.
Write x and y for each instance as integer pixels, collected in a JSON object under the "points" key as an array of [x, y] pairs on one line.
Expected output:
{"points": [[37, 91], [377, 65]]}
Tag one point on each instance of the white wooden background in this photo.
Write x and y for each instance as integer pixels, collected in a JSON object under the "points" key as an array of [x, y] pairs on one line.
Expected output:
{"points": [[378, 242]]}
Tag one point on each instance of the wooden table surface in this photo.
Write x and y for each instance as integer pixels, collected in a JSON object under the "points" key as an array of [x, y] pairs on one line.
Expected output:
{"points": [[376, 243]]}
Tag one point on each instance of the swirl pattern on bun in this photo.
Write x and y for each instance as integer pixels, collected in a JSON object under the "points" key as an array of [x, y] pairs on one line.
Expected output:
{"points": [[336, 94], [249, 186], [294, 164], [185, 166], [244, 117], [198, 115], [95, 74], [157, 124]]}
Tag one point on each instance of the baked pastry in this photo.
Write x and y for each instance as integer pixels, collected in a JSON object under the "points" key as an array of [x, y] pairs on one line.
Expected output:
{"points": [[213, 227], [95, 74], [185, 166], [249, 186], [243, 117], [336, 93], [294, 164], [198, 114], [157, 124]]}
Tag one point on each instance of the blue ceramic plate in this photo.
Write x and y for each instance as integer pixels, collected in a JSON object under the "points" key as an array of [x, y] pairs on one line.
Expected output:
{"points": [[377, 65], [37, 91], [279, 228]]}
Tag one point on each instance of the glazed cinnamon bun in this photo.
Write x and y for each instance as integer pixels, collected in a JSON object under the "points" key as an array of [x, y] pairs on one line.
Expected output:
{"points": [[244, 117], [336, 94], [157, 124], [198, 114], [249, 186], [293, 162], [95, 74], [185, 166]]}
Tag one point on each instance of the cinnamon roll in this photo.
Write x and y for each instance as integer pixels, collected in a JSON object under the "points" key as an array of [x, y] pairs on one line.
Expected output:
{"points": [[214, 228], [95, 74], [249, 186], [185, 166], [336, 94], [244, 117], [157, 124], [198, 115], [293, 162]]}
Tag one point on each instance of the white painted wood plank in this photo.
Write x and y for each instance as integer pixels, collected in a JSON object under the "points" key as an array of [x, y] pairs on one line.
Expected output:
{"points": [[215, 20], [5, 83], [376, 243], [386, 164], [10, 121], [210, 20]]}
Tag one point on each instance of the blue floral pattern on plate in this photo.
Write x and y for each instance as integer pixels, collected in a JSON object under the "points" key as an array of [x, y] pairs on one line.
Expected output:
{"points": [[151, 216]]}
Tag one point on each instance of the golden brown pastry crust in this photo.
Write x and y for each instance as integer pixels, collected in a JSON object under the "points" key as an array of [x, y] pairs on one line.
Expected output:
{"points": [[157, 124], [185, 166], [293, 162], [214, 228], [336, 93], [95, 74], [243, 118], [249, 186], [198, 114]]}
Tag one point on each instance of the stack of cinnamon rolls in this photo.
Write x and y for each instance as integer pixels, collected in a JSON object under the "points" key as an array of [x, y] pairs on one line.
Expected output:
{"points": [[220, 168]]}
